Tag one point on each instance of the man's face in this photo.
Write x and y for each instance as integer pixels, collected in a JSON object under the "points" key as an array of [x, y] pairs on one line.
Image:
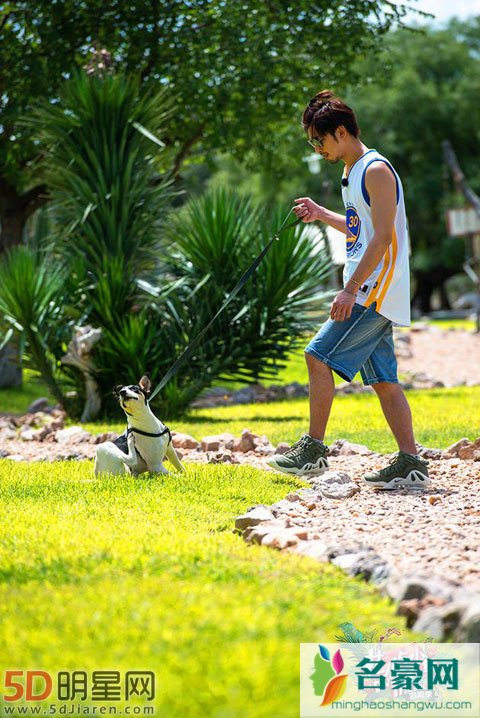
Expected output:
{"points": [[331, 145]]}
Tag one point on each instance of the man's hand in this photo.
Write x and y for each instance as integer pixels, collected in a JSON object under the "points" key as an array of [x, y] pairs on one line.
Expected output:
{"points": [[342, 306], [308, 210]]}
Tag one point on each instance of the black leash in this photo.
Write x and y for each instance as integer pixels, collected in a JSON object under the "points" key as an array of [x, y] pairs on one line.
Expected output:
{"points": [[241, 282]]}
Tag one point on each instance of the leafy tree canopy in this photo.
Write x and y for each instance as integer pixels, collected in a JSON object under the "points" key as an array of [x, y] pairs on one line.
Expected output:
{"points": [[238, 68]]}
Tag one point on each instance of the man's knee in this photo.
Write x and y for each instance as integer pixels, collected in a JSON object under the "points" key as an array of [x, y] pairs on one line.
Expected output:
{"points": [[385, 388], [314, 363]]}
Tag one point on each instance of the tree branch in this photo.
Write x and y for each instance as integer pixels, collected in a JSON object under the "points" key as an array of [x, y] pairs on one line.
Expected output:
{"points": [[185, 149], [459, 177], [33, 199]]}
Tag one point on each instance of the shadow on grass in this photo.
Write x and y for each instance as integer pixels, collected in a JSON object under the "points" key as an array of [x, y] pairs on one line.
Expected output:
{"points": [[240, 417]]}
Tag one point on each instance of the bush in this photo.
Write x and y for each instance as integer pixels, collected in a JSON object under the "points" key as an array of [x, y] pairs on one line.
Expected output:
{"points": [[150, 284]]}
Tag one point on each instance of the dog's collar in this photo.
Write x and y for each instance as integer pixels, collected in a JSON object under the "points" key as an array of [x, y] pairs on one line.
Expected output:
{"points": [[147, 433]]}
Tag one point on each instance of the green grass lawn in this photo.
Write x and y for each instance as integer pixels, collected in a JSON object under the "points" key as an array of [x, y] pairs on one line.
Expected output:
{"points": [[441, 417], [147, 574]]}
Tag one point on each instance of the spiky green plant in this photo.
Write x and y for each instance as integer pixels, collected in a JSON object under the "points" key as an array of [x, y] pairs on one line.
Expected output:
{"points": [[109, 188], [32, 298], [212, 240]]}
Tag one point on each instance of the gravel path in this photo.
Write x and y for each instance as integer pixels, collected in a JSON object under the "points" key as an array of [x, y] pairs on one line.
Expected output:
{"points": [[450, 356]]}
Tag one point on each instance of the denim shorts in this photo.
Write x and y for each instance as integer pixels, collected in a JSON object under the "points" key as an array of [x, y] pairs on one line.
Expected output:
{"points": [[363, 342]]}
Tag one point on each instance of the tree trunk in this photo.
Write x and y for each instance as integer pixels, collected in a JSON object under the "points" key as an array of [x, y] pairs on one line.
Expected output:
{"points": [[15, 209], [10, 368]]}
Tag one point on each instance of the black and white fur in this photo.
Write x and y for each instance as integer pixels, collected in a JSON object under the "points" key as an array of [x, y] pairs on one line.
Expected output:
{"points": [[135, 452]]}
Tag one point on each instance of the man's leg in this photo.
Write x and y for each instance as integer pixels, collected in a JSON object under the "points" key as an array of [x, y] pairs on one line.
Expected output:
{"points": [[397, 413], [321, 392]]}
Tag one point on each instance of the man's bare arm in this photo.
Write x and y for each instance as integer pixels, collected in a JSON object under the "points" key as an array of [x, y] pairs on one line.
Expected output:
{"points": [[310, 211]]}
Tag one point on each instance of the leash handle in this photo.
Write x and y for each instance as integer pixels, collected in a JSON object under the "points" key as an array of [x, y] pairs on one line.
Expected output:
{"points": [[241, 282]]}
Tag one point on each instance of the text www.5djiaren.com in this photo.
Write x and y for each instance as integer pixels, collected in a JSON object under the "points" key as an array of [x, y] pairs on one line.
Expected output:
{"points": [[419, 706], [78, 709]]}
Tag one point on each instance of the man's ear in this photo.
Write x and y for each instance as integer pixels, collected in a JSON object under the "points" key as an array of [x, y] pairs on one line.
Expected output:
{"points": [[145, 384]]}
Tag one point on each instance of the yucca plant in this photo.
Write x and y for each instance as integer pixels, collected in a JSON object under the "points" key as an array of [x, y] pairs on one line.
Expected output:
{"points": [[110, 193], [212, 240], [110, 196], [32, 300]]}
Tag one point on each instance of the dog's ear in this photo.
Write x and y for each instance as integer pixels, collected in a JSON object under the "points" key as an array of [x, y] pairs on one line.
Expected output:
{"points": [[145, 384], [116, 389]]}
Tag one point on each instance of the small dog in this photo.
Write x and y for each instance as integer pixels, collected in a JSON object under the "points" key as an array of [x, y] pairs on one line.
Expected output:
{"points": [[145, 444]]}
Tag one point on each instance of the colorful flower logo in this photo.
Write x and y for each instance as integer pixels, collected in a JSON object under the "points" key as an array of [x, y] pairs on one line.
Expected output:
{"points": [[327, 678]]}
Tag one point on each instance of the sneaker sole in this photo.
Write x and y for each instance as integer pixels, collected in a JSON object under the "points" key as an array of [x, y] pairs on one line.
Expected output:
{"points": [[414, 480], [317, 469]]}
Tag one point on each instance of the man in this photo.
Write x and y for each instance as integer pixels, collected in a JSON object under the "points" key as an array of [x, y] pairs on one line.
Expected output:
{"points": [[375, 296]]}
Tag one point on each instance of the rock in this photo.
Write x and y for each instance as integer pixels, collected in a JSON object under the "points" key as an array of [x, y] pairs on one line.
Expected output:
{"points": [[334, 485], [367, 564], [329, 477], [16, 457], [3, 453], [247, 441], [282, 448], [293, 497], [401, 588], [41, 404], [442, 622], [413, 607], [213, 443], [452, 450], [434, 454], [8, 434], [315, 549], [41, 434], [340, 491], [342, 447], [222, 457], [469, 627], [434, 500], [470, 451], [350, 449], [72, 435], [254, 517], [284, 538], [106, 436], [184, 441], [26, 434]]}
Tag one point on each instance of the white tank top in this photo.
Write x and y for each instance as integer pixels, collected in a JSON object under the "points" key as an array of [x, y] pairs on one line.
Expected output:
{"points": [[389, 283]]}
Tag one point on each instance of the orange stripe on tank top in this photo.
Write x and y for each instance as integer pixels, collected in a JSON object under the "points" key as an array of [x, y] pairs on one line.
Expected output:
{"points": [[386, 261], [392, 269]]}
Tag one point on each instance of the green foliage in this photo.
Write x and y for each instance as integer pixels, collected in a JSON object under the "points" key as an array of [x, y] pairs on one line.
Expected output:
{"points": [[148, 574], [213, 239], [103, 172], [234, 86], [151, 298], [430, 80], [32, 295]]}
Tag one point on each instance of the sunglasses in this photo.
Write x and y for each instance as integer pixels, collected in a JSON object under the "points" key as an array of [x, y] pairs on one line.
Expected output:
{"points": [[315, 142]]}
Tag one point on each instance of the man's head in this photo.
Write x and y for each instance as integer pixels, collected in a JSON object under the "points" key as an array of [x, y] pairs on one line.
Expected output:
{"points": [[330, 124]]}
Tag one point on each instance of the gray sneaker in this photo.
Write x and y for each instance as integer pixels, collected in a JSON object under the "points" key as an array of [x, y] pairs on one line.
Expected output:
{"points": [[306, 457], [402, 470]]}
